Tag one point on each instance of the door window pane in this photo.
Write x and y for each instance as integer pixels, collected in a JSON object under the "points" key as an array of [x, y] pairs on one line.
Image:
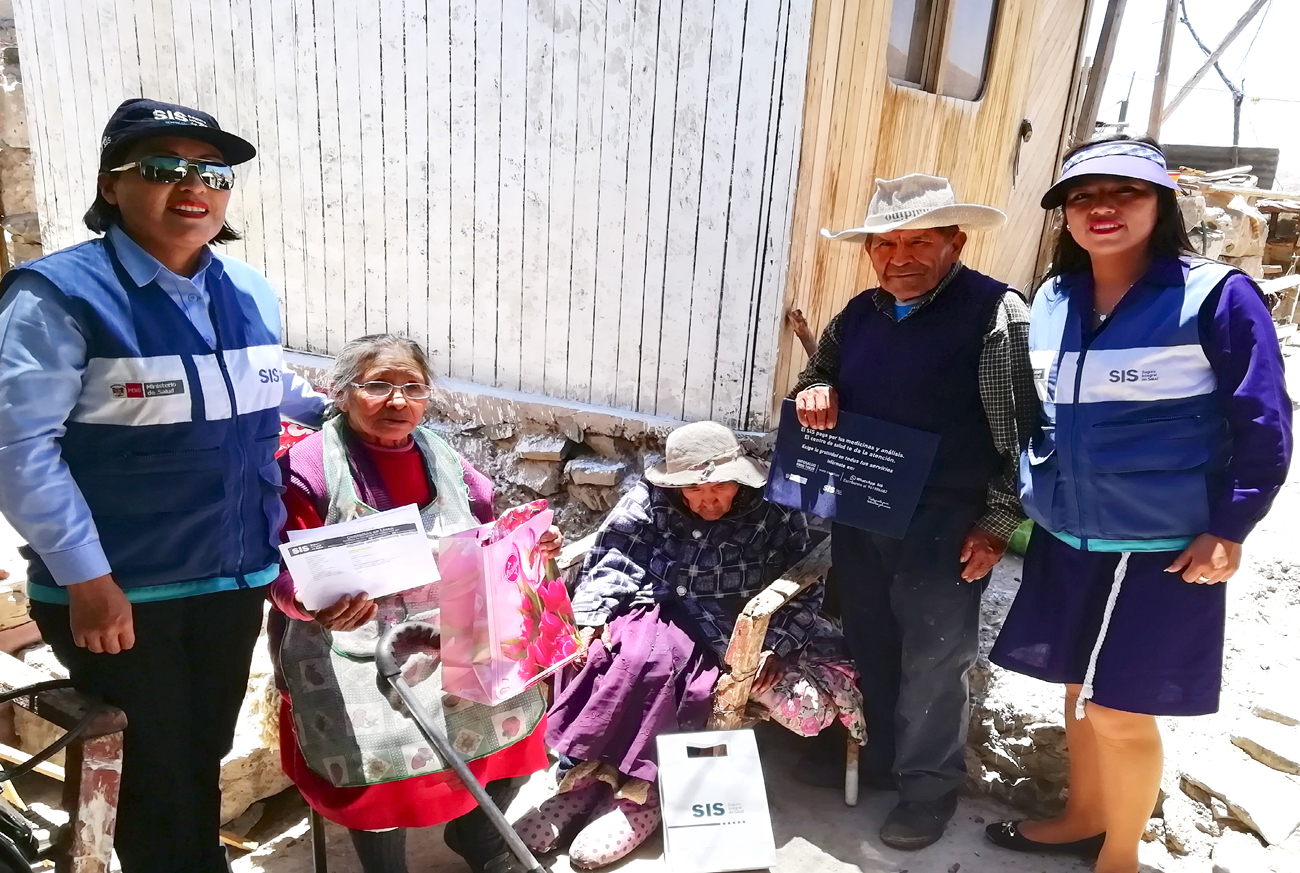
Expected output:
{"points": [[970, 34], [909, 30]]}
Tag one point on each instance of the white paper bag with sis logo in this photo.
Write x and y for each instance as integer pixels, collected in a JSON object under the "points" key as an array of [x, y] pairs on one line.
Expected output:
{"points": [[714, 803]]}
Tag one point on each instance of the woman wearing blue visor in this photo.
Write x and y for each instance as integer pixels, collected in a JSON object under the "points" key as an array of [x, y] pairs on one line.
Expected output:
{"points": [[142, 384], [1165, 435]]}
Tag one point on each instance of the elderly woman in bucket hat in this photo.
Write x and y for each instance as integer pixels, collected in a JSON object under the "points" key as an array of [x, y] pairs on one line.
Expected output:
{"points": [[659, 594]]}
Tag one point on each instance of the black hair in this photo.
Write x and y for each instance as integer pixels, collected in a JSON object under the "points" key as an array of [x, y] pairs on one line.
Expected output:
{"points": [[102, 215], [1168, 238]]}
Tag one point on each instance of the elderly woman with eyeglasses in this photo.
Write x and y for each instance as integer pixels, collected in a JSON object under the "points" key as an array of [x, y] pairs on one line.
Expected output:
{"points": [[376, 456]]}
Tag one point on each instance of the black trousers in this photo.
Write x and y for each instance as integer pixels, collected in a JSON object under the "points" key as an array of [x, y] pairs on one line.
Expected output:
{"points": [[181, 687], [912, 627]]}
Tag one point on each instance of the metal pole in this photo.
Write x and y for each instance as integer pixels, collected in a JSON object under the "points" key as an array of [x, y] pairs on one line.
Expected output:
{"points": [[319, 858], [1100, 70], [424, 722], [388, 667], [1162, 70]]}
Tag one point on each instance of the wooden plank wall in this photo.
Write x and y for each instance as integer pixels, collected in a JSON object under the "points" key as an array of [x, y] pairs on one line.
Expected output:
{"points": [[1048, 107], [859, 126], [586, 198]]}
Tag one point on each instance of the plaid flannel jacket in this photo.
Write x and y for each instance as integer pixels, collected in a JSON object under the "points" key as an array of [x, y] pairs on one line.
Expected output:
{"points": [[1006, 386], [651, 549]]}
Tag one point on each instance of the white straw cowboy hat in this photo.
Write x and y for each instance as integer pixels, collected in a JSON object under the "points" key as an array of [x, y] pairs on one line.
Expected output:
{"points": [[705, 452], [917, 202]]}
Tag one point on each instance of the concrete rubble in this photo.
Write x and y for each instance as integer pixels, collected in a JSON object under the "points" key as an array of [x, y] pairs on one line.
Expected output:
{"points": [[540, 477]]}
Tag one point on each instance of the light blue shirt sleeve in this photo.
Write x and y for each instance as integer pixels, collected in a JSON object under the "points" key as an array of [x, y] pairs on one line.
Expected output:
{"points": [[302, 403], [42, 358]]}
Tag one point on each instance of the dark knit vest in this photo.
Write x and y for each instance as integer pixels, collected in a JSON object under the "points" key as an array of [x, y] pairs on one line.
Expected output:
{"points": [[923, 372]]}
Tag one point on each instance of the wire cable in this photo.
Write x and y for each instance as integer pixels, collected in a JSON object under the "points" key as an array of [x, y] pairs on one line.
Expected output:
{"points": [[1260, 27]]}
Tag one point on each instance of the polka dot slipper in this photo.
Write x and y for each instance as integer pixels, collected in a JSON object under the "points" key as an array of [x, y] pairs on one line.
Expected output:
{"points": [[545, 827], [616, 827]]}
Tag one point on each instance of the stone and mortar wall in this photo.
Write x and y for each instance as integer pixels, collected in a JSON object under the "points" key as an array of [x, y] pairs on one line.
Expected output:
{"points": [[21, 228], [580, 458]]}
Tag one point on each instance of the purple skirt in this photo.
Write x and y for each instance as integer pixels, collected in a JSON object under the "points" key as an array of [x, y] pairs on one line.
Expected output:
{"points": [[1163, 651], [653, 678]]}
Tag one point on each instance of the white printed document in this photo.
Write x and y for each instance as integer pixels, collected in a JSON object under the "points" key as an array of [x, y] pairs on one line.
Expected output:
{"points": [[375, 555]]}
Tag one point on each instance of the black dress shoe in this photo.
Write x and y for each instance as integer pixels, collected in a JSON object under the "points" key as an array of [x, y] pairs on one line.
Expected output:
{"points": [[1007, 835], [915, 824]]}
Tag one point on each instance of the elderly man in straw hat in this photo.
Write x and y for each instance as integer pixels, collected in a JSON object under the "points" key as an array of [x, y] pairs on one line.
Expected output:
{"points": [[941, 348], [671, 569]]}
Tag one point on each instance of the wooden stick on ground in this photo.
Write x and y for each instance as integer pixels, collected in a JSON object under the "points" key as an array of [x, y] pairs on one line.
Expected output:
{"points": [[18, 756]]}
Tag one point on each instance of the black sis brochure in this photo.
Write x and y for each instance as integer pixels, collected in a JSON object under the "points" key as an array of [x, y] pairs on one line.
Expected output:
{"points": [[865, 473]]}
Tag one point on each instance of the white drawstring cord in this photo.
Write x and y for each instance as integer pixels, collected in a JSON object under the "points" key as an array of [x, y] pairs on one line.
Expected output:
{"points": [[1086, 692]]}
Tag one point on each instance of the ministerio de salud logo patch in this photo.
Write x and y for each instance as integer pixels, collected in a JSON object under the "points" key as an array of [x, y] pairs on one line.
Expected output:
{"points": [[148, 389]]}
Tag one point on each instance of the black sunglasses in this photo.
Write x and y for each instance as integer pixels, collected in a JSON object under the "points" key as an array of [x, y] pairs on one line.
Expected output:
{"points": [[168, 170]]}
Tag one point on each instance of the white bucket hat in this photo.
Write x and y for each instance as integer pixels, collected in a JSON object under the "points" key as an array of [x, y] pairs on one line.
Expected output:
{"points": [[917, 202], [705, 452]]}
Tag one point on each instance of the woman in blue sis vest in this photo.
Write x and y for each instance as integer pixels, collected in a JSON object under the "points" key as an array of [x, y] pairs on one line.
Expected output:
{"points": [[1165, 435], [141, 388]]}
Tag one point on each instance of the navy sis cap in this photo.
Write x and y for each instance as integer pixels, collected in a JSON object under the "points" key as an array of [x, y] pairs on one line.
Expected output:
{"points": [[139, 119]]}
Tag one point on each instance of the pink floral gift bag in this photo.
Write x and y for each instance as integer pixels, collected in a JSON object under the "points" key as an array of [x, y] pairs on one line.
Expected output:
{"points": [[505, 627]]}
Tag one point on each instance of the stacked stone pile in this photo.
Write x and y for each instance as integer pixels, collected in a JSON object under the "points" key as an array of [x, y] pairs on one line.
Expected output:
{"points": [[581, 475]]}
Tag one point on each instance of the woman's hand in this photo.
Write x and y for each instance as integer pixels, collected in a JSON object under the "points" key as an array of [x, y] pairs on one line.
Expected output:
{"points": [[100, 616], [586, 636], [550, 543], [770, 668], [348, 613], [1208, 560]]}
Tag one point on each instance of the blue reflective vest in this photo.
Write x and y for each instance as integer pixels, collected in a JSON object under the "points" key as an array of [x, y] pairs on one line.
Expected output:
{"points": [[172, 443], [1131, 435]]}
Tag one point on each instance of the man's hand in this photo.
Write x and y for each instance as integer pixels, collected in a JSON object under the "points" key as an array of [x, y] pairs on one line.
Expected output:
{"points": [[1208, 560], [980, 553], [348, 613], [100, 616], [818, 407], [770, 668], [799, 325]]}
